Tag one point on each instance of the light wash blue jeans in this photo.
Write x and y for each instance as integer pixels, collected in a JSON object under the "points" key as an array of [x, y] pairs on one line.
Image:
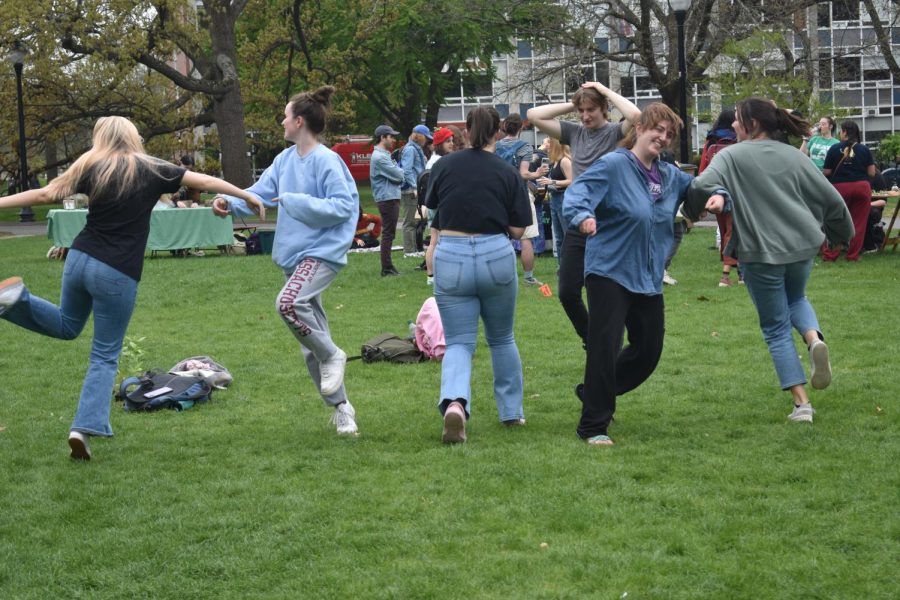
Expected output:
{"points": [[475, 276], [87, 284], [557, 222], [779, 293]]}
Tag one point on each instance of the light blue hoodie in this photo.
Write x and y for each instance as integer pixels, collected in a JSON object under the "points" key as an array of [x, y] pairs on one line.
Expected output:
{"points": [[634, 232], [317, 209]]}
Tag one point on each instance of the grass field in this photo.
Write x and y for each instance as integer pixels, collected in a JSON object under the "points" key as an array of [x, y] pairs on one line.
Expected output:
{"points": [[709, 493]]}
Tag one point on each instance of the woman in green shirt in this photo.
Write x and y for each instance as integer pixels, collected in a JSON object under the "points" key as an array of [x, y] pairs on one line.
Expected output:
{"points": [[816, 147]]}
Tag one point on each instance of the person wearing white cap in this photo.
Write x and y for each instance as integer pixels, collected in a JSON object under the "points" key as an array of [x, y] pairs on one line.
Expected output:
{"points": [[412, 159]]}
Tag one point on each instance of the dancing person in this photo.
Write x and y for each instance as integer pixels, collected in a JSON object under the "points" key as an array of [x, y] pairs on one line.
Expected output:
{"points": [[318, 209], [557, 180], [518, 153], [719, 137], [820, 141], [625, 205], [849, 165], [779, 203], [386, 177], [480, 203], [105, 262], [412, 161], [589, 140]]}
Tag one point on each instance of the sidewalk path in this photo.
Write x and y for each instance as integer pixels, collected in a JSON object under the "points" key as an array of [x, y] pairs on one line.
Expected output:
{"points": [[15, 229]]}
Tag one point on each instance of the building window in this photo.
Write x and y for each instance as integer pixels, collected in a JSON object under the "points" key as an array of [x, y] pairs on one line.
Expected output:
{"points": [[523, 49], [847, 69], [825, 72], [824, 14], [602, 45], [845, 10]]}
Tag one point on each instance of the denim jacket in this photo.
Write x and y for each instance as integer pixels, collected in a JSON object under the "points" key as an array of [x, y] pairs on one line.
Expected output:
{"points": [[634, 233], [384, 175], [413, 160]]}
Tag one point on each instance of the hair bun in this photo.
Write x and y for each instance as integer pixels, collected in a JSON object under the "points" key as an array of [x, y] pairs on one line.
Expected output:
{"points": [[323, 95]]}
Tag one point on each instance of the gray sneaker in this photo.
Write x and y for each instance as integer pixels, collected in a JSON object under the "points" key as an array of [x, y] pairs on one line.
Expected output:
{"points": [[79, 445], [10, 291], [803, 413], [344, 419], [532, 281], [819, 366]]}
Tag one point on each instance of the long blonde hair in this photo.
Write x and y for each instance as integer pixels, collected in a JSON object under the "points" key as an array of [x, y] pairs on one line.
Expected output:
{"points": [[111, 162], [556, 151]]}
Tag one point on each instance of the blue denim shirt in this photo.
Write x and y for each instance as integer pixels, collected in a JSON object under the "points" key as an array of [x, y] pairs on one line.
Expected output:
{"points": [[384, 175], [413, 160], [634, 233]]}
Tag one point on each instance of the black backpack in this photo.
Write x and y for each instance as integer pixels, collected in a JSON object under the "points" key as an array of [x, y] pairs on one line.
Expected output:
{"points": [[391, 348], [156, 390]]}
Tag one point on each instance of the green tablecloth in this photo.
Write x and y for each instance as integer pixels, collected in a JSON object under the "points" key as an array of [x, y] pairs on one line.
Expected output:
{"points": [[170, 229]]}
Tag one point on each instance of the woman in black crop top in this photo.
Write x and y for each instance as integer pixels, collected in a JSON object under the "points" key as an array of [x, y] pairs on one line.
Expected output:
{"points": [[104, 264], [481, 202]]}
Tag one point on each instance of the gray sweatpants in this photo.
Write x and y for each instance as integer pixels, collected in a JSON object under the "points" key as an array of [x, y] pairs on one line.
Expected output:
{"points": [[300, 306]]}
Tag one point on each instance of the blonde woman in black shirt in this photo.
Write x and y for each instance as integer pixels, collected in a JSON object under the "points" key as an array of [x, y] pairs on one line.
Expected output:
{"points": [[106, 259], [481, 201]]}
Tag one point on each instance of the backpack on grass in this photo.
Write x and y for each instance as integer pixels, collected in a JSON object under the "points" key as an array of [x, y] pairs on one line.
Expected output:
{"points": [[157, 390], [388, 347]]}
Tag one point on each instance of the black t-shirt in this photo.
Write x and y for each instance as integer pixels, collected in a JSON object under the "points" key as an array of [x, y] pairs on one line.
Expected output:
{"points": [[854, 168], [477, 192], [118, 221]]}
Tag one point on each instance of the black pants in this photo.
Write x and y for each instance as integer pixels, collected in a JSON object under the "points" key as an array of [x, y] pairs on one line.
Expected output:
{"points": [[571, 281], [610, 372], [390, 212]]}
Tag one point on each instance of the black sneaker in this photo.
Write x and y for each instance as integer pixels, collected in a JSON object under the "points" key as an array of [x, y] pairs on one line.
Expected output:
{"points": [[579, 391], [422, 267], [390, 272]]}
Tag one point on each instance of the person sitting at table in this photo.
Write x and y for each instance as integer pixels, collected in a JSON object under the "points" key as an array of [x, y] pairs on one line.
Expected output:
{"points": [[106, 259]]}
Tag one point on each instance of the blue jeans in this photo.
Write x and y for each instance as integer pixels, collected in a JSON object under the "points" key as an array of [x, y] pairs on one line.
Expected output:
{"points": [[476, 276], [87, 284], [779, 293], [556, 221]]}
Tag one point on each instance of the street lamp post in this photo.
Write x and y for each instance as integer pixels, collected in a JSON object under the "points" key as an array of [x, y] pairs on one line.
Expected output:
{"points": [[17, 56], [681, 7]]}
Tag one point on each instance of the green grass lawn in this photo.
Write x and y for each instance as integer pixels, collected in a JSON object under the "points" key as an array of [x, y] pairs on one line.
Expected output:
{"points": [[710, 492]]}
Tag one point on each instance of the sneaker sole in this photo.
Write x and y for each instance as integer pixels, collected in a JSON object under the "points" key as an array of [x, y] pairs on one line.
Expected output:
{"points": [[801, 418], [454, 428], [820, 367], [79, 450], [11, 290]]}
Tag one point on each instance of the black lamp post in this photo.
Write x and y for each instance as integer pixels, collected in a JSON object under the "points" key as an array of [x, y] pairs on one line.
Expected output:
{"points": [[17, 56], [681, 7]]}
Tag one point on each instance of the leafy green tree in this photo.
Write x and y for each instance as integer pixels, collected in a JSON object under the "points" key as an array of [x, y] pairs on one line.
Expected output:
{"points": [[159, 62]]}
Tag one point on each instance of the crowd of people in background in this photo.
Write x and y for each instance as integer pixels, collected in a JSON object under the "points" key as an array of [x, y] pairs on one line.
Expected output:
{"points": [[466, 203]]}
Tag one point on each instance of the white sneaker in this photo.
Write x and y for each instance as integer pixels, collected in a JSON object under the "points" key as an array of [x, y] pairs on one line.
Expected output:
{"points": [[78, 442], [668, 279], [803, 413], [344, 418], [10, 291], [331, 373], [413, 254], [429, 280], [819, 365]]}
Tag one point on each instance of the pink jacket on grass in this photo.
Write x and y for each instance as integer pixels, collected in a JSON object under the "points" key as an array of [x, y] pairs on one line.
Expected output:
{"points": [[430, 330]]}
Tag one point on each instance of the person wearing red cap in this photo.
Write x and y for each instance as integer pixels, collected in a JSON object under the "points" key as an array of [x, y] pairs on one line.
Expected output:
{"points": [[444, 144]]}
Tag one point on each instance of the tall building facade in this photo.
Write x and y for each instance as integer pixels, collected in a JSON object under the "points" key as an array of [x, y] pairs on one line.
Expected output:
{"points": [[850, 71]]}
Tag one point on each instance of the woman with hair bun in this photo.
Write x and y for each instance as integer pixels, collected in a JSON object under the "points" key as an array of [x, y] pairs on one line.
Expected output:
{"points": [[318, 208], [780, 203], [105, 262]]}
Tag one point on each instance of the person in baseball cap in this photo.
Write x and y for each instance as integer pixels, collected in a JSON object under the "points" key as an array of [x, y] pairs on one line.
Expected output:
{"points": [[382, 130], [423, 130]]}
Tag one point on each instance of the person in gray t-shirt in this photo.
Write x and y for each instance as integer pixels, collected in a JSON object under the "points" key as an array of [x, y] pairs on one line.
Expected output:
{"points": [[590, 140]]}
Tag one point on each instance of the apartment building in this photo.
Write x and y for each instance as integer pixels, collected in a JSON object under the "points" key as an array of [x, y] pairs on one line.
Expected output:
{"points": [[850, 71]]}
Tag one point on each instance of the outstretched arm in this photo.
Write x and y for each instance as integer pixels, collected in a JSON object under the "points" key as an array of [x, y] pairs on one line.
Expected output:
{"points": [[220, 186], [42, 195]]}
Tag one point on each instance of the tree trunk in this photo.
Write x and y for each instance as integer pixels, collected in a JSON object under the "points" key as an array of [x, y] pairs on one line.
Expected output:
{"points": [[228, 109]]}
